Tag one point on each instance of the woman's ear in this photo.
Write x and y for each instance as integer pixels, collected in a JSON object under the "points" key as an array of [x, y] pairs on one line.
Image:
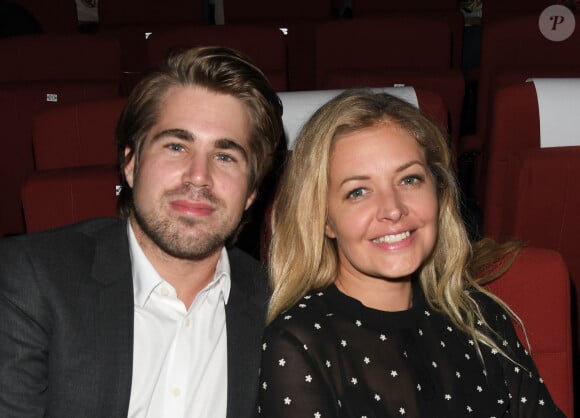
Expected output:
{"points": [[329, 231]]}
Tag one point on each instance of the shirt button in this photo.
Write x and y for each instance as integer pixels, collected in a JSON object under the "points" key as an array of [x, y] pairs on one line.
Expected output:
{"points": [[175, 392], [186, 322], [164, 291]]}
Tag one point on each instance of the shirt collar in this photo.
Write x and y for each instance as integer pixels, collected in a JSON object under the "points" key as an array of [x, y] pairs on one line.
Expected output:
{"points": [[146, 278]]}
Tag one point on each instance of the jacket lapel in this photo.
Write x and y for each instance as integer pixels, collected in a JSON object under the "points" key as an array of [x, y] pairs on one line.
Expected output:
{"points": [[245, 324], [114, 323]]}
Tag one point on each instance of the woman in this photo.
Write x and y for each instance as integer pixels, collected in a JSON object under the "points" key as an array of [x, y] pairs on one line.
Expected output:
{"points": [[375, 310]]}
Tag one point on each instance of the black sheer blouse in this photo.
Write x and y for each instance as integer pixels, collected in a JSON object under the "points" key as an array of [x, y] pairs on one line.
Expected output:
{"points": [[330, 356]]}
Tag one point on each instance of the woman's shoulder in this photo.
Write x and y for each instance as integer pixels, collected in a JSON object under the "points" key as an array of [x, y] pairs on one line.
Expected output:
{"points": [[311, 313]]}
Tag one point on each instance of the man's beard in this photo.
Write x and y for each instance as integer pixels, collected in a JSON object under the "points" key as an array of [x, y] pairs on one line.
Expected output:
{"points": [[165, 231]]}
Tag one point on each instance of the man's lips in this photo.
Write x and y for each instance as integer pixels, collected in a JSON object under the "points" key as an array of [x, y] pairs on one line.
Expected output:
{"points": [[190, 207]]}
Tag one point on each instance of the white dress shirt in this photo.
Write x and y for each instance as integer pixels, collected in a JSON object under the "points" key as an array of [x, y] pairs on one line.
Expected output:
{"points": [[179, 354]]}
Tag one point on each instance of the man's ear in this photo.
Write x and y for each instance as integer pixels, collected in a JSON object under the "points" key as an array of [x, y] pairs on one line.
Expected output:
{"points": [[329, 231], [250, 199], [129, 168]]}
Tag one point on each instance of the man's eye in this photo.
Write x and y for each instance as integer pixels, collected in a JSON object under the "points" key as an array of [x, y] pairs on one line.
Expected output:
{"points": [[356, 193], [225, 157], [175, 147]]}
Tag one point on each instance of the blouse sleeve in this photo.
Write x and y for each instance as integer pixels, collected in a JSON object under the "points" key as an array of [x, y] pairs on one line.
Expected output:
{"points": [[529, 395], [291, 382]]}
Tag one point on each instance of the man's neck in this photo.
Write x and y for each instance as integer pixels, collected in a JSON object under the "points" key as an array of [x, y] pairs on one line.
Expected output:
{"points": [[188, 277]]}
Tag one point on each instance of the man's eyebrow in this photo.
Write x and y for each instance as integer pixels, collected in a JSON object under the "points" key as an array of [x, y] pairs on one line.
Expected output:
{"points": [[225, 143], [176, 133]]}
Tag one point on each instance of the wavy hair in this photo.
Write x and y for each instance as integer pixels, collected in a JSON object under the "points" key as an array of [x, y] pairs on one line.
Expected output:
{"points": [[302, 258]]}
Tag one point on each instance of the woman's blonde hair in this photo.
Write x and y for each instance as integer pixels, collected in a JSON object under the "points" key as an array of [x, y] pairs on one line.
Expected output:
{"points": [[303, 259]]}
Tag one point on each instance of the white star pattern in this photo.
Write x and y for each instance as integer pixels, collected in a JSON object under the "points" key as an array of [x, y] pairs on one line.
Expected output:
{"points": [[397, 349]]}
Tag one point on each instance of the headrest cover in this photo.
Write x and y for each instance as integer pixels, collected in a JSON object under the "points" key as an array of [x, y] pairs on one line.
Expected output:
{"points": [[300, 105], [559, 108]]}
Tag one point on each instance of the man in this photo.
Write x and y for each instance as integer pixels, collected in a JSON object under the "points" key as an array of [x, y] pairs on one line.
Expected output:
{"points": [[151, 315]]}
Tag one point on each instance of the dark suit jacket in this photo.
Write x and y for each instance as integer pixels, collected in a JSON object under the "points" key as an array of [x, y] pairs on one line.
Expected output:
{"points": [[66, 324]]}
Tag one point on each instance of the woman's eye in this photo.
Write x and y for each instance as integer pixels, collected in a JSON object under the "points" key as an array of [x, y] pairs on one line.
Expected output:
{"points": [[412, 180], [356, 193]]}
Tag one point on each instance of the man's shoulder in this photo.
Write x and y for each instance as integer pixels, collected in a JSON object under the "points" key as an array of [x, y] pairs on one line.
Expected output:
{"points": [[66, 238], [248, 274]]}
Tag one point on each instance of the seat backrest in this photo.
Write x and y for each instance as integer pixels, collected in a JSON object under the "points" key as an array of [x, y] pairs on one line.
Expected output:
{"points": [[44, 71], [448, 84], [369, 43], [537, 288], [112, 12], [77, 134], [544, 210], [281, 11], [445, 10], [55, 16], [299, 106], [515, 128], [514, 49], [494, 10], [264, 45], [53, 198]]}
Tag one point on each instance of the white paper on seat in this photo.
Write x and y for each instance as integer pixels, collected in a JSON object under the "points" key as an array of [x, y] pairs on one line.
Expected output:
{"points": [[559, 108], [300, 105]]}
